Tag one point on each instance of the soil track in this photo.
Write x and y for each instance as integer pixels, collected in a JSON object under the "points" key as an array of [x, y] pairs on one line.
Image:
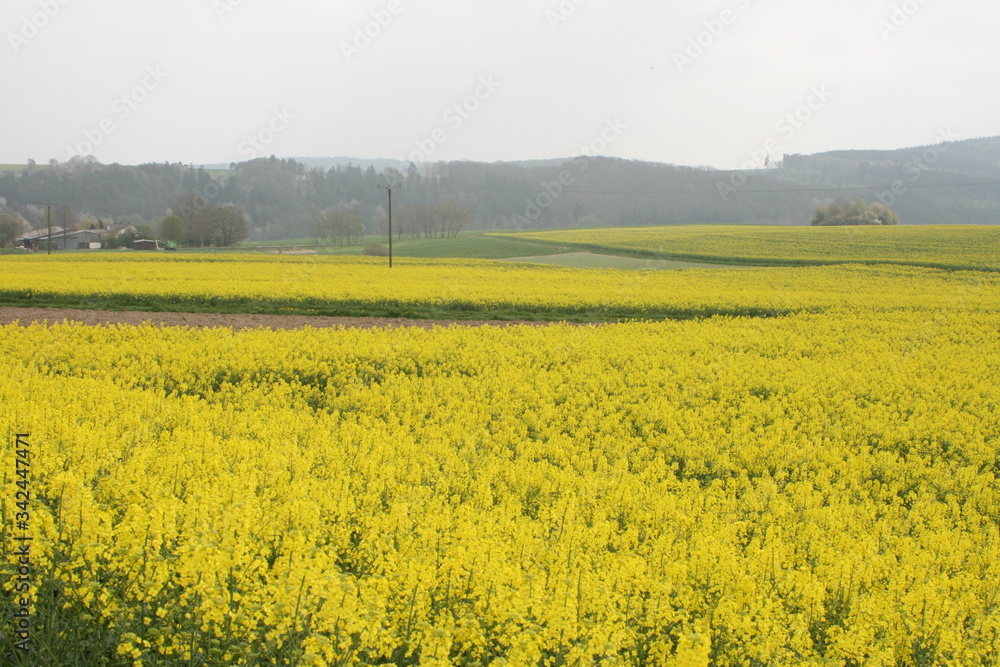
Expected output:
{"points": [[26, 316]]}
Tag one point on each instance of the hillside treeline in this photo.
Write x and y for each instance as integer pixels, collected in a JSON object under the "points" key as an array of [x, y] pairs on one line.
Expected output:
{"points": [[284, 198]]}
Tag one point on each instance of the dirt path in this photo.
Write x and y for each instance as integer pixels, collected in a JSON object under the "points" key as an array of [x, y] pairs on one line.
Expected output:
{"points": [[26, 316]]}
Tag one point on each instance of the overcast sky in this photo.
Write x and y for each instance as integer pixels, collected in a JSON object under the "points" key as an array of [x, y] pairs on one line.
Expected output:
{"points": [[695, 83]]}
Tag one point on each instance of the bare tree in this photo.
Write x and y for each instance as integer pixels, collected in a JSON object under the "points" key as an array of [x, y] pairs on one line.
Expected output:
{"points": [[341, 224], [454, 217], [419, 219]]}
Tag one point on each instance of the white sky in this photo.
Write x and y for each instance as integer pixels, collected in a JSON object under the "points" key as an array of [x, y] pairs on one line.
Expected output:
{"points": [[232, 70]]}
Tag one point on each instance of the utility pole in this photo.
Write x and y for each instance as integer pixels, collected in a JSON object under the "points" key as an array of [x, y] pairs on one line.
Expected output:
{"points": [[390, 188], [49, 216]]}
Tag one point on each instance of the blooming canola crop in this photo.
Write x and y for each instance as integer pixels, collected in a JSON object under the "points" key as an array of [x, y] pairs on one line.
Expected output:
{"points": [[941, 246], [818, 488], [339, 285]]}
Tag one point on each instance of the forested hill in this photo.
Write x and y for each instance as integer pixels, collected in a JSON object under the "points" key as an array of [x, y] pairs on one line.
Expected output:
{"points": [[948, 183], [979, 158]]}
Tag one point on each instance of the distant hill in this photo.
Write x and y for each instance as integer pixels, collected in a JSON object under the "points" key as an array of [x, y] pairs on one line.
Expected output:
{"points": [[950, 182], [977, 157], [327, 163], [943, 184]]}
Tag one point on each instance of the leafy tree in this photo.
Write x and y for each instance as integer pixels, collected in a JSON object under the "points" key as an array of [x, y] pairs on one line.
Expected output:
{"points": [[376, 249], [173, 228], [883, 214], [823, 216], [230, 225], [203, 224], [12, 225], [128, 236], [843, 213], [195, 210]]}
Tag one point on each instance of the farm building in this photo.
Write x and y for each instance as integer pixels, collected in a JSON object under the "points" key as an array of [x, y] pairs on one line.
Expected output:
{"points": [[84, 239], [147, 244], [38, 238]]}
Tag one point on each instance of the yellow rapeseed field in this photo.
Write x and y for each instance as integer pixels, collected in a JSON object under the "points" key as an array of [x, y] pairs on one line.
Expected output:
{"points": [[951, 246], [340, 285], [814, 488]]}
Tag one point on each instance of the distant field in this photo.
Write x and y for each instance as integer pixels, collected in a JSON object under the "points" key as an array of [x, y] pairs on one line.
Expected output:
{"points": [[473, 245], [589, 260], [951, 247]]}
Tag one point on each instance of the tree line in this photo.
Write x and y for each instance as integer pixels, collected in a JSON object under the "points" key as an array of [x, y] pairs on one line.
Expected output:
{"points": [[286, 199]]}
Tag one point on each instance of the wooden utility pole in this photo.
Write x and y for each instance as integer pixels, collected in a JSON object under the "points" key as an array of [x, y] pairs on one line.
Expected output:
{"points": [[390, 188], [49, 216]]}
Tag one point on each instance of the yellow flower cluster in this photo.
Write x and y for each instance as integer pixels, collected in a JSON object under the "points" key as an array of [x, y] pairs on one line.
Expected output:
{"points": [[816, 489], [362, 285], [951, 246]]}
